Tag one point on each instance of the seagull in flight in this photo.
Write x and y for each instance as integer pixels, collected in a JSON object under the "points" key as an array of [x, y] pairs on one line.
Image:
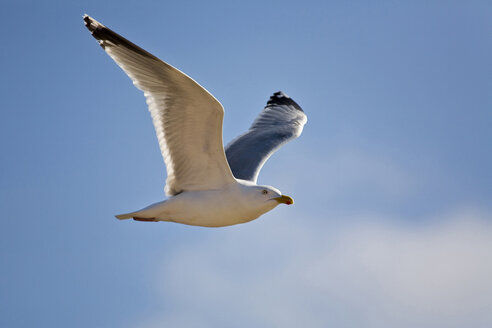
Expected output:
{"points": [[206, 184]]}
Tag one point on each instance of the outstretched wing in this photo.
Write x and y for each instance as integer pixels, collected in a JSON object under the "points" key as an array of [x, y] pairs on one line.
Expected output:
{"points": [[280, 121], [187, 119]]}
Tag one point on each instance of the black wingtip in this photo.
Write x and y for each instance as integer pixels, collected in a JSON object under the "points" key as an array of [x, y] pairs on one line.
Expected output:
{"points": [[279, 98], [97, 29], [104, 35], [90, 22]]}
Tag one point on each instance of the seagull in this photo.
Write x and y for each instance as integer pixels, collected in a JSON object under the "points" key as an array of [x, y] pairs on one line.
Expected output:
{"points": [[206, 184]]}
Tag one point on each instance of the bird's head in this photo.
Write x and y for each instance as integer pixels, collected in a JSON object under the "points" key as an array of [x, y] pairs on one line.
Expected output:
{"points": [[261, 199], [271, 196]]}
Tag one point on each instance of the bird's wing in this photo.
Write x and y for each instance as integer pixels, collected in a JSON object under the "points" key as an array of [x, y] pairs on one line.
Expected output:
{"points": [[280, 121], [186, 117]]}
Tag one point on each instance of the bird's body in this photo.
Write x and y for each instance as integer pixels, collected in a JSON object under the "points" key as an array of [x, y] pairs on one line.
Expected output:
{"points": [[207, 185], [212, 208]]}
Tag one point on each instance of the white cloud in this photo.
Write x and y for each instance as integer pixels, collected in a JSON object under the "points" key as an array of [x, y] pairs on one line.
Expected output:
{"points": [[367, 272]]}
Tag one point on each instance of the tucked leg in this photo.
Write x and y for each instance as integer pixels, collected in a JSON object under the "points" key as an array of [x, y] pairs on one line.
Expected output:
{"points": [[145, 219]]}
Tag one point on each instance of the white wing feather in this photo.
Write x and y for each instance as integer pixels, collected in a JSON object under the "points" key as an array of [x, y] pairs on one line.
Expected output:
{"points": [[186, 117]]}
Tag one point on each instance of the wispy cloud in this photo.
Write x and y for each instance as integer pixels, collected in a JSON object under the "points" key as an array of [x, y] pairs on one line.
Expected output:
{"points": [[366, 272]]}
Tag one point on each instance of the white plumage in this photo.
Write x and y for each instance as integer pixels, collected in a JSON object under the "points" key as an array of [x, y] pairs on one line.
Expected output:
{"points": [[188, 122]]}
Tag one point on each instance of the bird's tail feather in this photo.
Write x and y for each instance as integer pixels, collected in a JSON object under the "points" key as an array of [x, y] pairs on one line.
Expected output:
{"points": [[149, 212], [125, 216]]}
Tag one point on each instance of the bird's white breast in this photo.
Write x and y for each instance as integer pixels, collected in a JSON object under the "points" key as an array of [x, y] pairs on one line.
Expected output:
{"points": [[211, 208]]}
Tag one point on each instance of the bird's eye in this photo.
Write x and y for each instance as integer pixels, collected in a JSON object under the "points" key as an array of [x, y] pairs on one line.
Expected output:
{"points": [[264, 192]]}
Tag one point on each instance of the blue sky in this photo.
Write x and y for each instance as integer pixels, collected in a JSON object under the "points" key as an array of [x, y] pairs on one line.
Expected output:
{"points": [[392, 225]]}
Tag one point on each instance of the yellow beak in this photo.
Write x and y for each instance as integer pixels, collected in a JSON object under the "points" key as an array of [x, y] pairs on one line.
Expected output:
{"points": [[284, 200]]}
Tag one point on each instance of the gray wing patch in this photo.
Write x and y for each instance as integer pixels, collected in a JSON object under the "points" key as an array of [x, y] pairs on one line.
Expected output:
{"points": [[280, 121]]}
